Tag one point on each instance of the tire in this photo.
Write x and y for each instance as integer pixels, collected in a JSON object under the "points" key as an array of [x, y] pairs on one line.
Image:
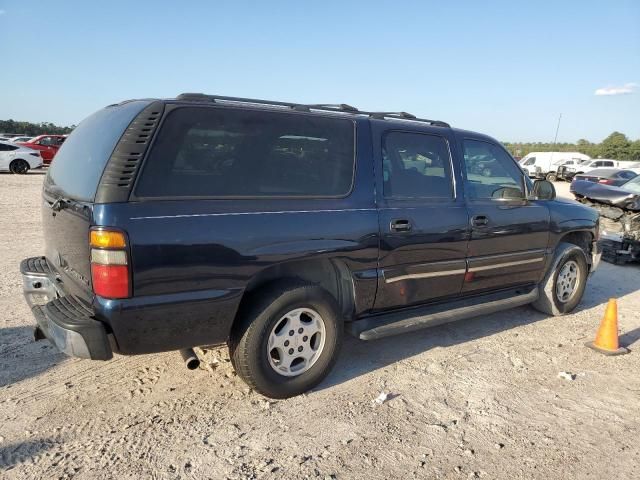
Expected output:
{"points": [[568, 256], [19, 166], [552, 176], [260, 325]]}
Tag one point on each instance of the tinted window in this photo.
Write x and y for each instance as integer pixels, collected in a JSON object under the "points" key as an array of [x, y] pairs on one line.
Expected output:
{"points": [[416, 166], [7, 148], [238, 153], [490, 172], [626, 174], [78, 165]]}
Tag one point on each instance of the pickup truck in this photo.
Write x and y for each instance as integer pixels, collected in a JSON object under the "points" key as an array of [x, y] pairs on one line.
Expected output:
{"points": [[274, 227], [567, 172]]}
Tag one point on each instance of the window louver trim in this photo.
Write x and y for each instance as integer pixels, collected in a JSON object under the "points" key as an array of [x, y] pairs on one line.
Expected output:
{"points": [[120, 173]]}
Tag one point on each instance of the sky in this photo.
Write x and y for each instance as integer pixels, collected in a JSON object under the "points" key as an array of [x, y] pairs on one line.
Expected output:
{"points": [[504, 68]]}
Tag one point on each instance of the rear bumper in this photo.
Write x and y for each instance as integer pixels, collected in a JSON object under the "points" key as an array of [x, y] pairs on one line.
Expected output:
{"points": [[63, 319], [130, 326]]}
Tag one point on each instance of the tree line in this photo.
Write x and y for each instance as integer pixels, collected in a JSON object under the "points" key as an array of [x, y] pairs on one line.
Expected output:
{"points": [[33, 129], [616, 146]]}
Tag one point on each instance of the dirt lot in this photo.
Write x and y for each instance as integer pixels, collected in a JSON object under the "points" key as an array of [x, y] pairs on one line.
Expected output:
{"points": [[476, 399]]}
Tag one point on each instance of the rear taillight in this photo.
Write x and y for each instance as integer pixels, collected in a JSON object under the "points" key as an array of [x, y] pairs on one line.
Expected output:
{"points": [[109, 263], [605, 181]]}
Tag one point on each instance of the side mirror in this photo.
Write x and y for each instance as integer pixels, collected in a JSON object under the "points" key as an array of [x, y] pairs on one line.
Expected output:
{"points": [[543, 190]]}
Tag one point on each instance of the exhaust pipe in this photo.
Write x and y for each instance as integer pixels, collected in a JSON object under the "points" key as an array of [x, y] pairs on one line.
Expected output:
{"points": [[190, 358]]}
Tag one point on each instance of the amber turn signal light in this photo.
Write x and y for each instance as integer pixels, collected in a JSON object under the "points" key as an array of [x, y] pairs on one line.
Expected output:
{"points": [[107, 239]]}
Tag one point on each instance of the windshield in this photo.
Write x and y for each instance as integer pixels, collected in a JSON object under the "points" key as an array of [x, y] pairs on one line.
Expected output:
{"points": [[632, 185]]}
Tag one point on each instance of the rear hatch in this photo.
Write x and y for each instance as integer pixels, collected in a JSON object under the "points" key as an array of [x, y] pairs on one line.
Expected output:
{"points": [[70, 188]]}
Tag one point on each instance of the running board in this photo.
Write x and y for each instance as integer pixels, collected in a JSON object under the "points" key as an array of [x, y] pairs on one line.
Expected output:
{"points": [[395, 323]]}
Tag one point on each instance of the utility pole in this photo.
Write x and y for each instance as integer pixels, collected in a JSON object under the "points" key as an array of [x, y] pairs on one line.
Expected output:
{"points": [[555, 140]]}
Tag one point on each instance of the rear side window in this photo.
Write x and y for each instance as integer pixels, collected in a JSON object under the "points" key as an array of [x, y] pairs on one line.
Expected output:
{"points": [[416, 165], [77, 167], [217, 152], [7, 148], [626, 174]]}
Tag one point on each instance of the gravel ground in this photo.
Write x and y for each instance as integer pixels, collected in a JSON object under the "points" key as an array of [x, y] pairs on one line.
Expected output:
{"points": [[476, 399]]}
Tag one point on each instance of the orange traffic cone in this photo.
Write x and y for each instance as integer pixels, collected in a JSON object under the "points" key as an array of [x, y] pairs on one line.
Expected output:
{"points": [[607, 337]]}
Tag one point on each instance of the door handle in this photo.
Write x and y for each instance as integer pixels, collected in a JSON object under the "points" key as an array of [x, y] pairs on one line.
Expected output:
{"points": [[401, 225], [479, 221]]}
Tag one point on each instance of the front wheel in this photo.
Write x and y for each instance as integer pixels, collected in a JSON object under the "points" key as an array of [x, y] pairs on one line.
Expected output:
{"points": [[552, 176], [564, 284], [287, 340]]}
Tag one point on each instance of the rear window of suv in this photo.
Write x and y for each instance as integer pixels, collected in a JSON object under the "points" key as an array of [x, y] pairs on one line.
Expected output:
{"points": [[77, 167], [225, 152]]}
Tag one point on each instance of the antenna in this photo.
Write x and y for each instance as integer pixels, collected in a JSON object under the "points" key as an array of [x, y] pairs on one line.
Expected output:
{"points": [[555, 140]]}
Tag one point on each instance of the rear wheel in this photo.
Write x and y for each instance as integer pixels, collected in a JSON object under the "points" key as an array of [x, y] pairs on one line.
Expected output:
{"points": [[288, 339], [19, 166]]}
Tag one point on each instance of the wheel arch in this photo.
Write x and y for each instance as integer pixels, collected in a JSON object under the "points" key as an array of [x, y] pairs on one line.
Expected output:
{"points": [[581, 238], [330, 274], [19, 159]]}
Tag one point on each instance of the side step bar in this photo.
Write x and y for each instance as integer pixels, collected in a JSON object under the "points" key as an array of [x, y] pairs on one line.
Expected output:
{"points": [[394, 323]]}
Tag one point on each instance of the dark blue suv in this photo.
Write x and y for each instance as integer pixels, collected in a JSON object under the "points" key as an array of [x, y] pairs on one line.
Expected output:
{"points": [[274, 227]]}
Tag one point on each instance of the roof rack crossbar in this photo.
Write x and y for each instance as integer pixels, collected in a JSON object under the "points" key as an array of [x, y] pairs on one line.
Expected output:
{"points": [[340, 107]]}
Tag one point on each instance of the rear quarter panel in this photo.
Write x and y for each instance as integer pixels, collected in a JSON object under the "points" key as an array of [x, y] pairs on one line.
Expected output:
{"points": [[192, 259]]}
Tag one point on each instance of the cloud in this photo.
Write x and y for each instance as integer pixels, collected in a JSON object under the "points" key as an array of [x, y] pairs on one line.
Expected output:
{"points": [[625, 89]]}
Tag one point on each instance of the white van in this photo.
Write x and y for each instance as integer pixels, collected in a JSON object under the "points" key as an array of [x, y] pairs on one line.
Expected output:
{"points": [[545, 164]]}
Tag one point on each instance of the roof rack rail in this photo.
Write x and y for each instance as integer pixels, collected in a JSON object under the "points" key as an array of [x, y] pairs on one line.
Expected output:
{"points": [[383, 115], [343, 107], [340, 107], [407, 116]]}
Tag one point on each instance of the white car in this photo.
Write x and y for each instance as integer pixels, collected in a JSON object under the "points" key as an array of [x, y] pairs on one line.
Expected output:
{"points": [[18, 159], [20, 139]]}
